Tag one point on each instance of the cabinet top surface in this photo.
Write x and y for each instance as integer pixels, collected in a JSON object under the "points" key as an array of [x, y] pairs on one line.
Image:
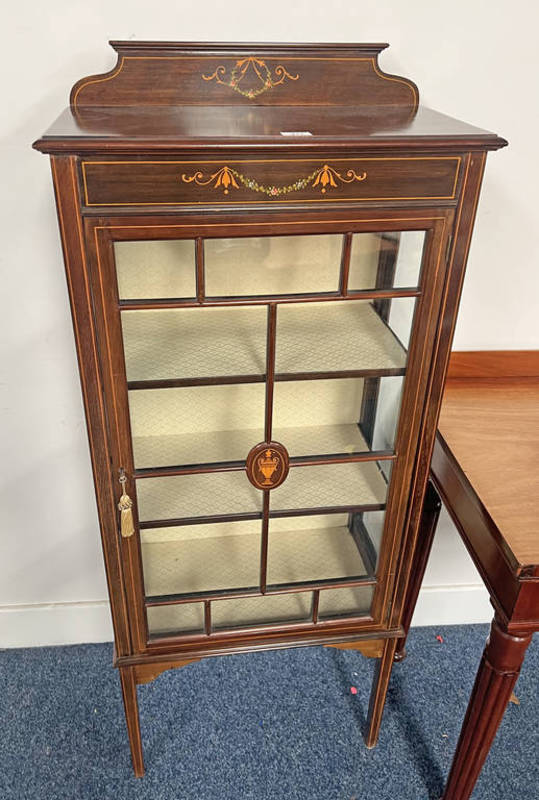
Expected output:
{"points": [[166, 96], [491, 426], [281, 127]]}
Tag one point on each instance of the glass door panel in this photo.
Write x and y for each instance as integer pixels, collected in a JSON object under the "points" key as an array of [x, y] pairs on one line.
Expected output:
{"points": [[388, 260], [155, 269], [347, 485], [186, 618], [194, 343], [336, 416], [368, 527], [196, 424], [254, 612], [314, 549], [190, 559], [248, 612], [350, 601], [200, 495], [380, 411], [205, 384], [341, 336], [272, 265]]}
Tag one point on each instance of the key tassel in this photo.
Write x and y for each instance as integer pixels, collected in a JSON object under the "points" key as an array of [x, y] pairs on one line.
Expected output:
{"points": [[125, 507]]}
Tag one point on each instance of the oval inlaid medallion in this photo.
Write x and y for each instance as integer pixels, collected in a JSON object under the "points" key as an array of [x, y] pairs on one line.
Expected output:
{"points": [[267, 465]]}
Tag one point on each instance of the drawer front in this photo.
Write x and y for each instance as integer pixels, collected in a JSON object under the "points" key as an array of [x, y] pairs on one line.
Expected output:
{"points": [[162, 183]]}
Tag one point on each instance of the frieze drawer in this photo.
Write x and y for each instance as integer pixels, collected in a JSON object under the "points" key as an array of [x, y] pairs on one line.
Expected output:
{"points": [[164, 183]]}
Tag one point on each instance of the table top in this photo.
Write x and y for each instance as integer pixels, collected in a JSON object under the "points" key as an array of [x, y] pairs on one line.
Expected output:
{"points": [[491, 427]]}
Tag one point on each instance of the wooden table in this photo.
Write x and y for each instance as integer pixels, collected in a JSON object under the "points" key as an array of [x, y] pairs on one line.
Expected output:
{"points": [[485, 467]]}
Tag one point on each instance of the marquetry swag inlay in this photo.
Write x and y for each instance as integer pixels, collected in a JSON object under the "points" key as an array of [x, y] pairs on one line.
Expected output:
{"points": [[250, 68], [227, 178]]}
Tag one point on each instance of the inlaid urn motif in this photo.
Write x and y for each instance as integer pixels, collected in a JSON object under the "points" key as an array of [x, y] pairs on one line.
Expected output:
{"points": [[267, 465]]}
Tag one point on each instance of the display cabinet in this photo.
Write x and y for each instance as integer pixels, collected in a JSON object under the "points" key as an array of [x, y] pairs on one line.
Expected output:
{"points": [[265, 246]]}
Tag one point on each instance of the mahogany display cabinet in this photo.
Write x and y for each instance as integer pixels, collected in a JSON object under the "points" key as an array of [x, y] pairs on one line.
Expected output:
{"points": [[265, 246]]}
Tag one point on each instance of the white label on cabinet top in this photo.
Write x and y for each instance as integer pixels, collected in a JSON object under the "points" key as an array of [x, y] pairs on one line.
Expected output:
{"points": [[296, 133]]}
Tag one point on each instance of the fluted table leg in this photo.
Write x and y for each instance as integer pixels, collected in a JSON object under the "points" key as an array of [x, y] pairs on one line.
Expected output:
{"points": [[497, 675]]}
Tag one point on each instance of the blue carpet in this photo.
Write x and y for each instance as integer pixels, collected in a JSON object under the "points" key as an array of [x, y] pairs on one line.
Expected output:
{"points": [[265, 726]]}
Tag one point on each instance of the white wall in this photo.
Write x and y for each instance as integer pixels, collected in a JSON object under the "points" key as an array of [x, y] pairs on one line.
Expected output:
{"points": [[468, 59]]}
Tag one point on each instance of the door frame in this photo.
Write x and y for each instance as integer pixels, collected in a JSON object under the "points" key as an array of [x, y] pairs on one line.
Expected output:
{"points": [[100, 234]]}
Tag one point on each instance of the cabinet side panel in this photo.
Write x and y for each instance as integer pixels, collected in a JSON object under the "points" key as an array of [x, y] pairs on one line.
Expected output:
{"points": [[462, 233], [410, 428], [67, 201]]}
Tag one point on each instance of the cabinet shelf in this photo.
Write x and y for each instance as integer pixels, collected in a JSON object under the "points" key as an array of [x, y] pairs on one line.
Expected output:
{"points": [[218, 447], [335, 337], [230, 494], [208, 559], [348, 485], [209, 345]]}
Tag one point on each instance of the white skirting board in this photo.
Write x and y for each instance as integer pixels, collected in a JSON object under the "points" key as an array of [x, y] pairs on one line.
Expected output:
{"points": [[453, 605], [77, 623], [41, 624]]}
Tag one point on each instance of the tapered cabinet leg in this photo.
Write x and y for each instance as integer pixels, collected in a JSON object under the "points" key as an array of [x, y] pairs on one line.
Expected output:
{"points": [[129, 694], [427, 528], [379, 691], [498, 672]]}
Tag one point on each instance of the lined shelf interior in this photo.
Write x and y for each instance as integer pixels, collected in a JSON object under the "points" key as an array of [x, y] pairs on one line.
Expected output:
{"points": [[347, 485], [187, 496], [334, 337], [215, 424], [222, 446], [229, 552], [325, 337], [194, 342], [300, 550]]}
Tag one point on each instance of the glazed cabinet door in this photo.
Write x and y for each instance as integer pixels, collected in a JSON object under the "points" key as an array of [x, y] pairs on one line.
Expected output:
{"points": [[264, 391]]}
